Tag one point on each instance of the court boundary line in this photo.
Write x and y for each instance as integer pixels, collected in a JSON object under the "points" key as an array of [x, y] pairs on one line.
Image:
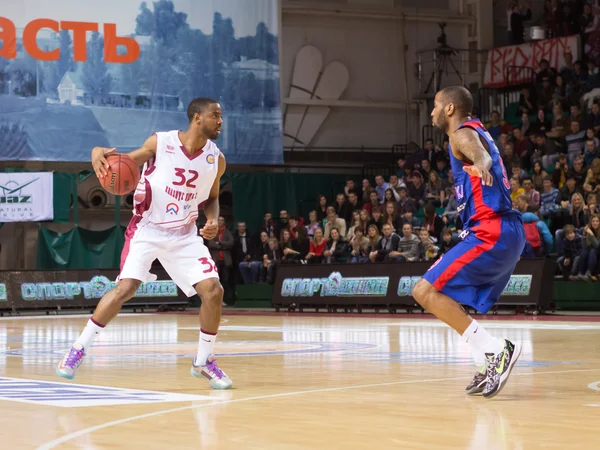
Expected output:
{"points": [[68, 437]]}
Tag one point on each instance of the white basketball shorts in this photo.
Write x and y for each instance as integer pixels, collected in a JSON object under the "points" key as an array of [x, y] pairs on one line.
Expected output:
{"points": [[181, 252]]}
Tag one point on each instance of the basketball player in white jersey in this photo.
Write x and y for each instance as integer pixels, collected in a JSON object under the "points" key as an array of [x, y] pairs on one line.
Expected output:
{"points": [[181, 171]]}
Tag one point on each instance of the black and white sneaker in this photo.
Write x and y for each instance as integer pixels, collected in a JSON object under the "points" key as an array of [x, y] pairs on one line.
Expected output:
{"points": [[499, 367], [478, 383]]}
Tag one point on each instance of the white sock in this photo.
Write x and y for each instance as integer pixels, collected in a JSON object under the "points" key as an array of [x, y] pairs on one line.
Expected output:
{"points": [[89, 333], [482, 339], [205, 347], [476, 352]]}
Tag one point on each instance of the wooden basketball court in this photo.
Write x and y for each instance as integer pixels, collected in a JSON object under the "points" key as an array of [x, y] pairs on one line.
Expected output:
{"points": [[300, 381]]}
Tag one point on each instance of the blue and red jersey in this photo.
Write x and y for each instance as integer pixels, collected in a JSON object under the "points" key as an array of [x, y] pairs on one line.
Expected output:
{"points": [[477, 202]]}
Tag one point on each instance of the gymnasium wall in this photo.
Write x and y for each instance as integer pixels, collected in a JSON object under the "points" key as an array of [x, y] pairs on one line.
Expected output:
{"points": [[376, 108]]}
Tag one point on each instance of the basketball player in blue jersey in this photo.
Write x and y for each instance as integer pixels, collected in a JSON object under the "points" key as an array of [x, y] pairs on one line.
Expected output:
{"points": [[476, 271]]}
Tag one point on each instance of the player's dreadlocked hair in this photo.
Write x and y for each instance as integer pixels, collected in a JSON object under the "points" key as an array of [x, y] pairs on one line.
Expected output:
{"points": [[460, 97], [198, 105]]}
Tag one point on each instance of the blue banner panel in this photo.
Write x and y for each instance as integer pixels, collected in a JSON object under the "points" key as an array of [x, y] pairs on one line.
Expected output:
{"points": [[75, 74]]}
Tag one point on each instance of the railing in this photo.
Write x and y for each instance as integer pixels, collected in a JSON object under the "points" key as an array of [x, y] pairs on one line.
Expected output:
{"points": [[519, 76]]}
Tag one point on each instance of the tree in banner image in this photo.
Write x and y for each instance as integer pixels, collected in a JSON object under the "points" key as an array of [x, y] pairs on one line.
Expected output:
{"points": [[24, 75], [96, 79], [164, 25], [192, 65], [55, 70], [249, 91]]}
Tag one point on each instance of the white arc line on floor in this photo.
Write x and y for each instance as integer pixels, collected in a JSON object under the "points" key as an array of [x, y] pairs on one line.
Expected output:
{"points": [[76, 434]]}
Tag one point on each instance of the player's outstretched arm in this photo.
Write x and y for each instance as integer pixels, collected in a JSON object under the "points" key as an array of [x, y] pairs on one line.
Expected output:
{"points": [[467, 144], [140, 156], [211, 205]]}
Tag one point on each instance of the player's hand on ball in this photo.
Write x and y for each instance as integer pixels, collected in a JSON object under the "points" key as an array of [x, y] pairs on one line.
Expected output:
{"points": [[99, 162], [484, 174], [209, 231]]}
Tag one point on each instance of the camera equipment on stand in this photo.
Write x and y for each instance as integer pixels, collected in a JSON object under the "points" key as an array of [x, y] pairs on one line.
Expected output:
{"points": [[442, 60]]}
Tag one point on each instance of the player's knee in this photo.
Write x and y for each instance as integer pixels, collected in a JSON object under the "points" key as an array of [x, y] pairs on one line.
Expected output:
{"points": [[125, 290], [211, 291], [421, 291]]}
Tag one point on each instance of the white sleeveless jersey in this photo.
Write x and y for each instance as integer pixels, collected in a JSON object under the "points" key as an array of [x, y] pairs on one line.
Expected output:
{"points": [[174, 183]]}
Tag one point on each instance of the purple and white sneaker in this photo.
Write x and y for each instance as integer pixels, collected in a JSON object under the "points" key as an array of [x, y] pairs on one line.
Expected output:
{"points": [[216, 377], [69, 364]]}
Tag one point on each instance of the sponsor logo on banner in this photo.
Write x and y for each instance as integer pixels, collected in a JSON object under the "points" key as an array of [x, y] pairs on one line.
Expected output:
{"points": [[335, 286], [93, 289], [172, 209], [26, 197], [517, 285], [69, 395], [3, 297]]}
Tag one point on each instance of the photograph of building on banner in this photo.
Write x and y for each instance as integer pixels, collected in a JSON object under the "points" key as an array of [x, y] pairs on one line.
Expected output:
{"points": [[79, 74], [26, 197]]}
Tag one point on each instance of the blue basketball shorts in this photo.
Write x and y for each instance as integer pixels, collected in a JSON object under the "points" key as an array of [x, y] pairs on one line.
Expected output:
{"points": [[476, 271]]}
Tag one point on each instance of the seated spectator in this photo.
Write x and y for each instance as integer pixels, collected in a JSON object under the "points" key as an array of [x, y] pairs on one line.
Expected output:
{"points": [[271, 259], [396, 183], [515, 188], [538, 236], [391, 217], [533, 196], [408, 247], [316, 248], [522, 147], [547, 149], [380, 187], [432, 222], [527, 102], [373, 238], [365, 219], [428, 251], [497, 126], [560, 123], [333, 221], [593, 120], [591, 207], [578, 172], [442, 168], [448, 241], [561, 169], [588, 261], [366, 190], [575, 141], [537, 176], [321, 209], [283, 223], [351, 187], [360, 245], [337, 249], [518, 172], [353, 202], [425, 168], [434, 192], [301, 244], [354, 224], [293, 223], [541, 125], [509, 158], [591, 152], [590, 134], [243, 245], [376, 218], [400, 172], [451, 211], [416, 189], [390, 196], [250, 270], [268, 225], [372, 203], [548, 199], [313, 224], [387, 244], [405, 203], [410, 219], [592, 178], [573, 214], [568, 260], [342, 209], [285, 246], [577, 115]]}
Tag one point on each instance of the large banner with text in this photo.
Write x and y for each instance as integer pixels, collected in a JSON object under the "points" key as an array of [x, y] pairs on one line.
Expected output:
{"points": [[388, 285], [500, 59], [50, 290], [26, 196], [80, 74]]}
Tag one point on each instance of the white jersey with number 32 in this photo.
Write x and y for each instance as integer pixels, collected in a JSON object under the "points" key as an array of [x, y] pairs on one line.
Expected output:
{"points": [[174, 183]]}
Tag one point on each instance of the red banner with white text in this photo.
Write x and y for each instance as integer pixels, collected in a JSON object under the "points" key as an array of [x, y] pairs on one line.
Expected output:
{"points": [[528, 55]]}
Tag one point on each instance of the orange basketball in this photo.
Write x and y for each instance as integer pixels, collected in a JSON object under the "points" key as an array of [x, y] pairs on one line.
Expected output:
{"points": [[123, 174]]}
